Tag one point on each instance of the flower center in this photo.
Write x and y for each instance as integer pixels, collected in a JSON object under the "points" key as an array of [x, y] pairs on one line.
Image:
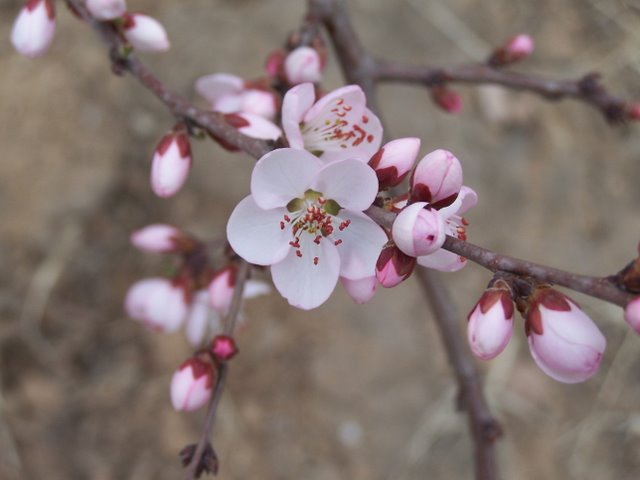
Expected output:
{"points": [[335, 128], [314, 215]]}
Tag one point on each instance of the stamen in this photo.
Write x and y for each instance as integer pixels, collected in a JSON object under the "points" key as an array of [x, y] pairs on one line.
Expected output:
{"points": [[281, 225], [299, 253], [337, 242], [315, 260]]}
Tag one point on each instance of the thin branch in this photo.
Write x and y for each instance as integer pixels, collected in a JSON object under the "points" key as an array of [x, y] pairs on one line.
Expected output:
{"points": [[588, 89], [485, 430]]}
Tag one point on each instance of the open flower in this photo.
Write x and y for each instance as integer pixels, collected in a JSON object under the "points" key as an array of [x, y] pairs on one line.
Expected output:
{"points": [[304, 218], [336, 127]]}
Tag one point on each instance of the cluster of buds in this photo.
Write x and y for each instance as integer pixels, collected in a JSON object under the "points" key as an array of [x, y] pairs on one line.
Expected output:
{"points": [[563, 341], [35, 25]]}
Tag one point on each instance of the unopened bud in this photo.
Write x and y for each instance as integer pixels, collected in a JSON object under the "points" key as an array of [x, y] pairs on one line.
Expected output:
{"points": [[633, 111], [34, 27], [418, 230], [106, 9], [157, 303], [632, 314], [437, 179], [563, 341], [223, 348], [514, 50], [221, 290], [303, 65], [145, 33], [171, 162], [393, 266], [156, 238], [491, 322], [394, 161], [192, 385], [275, 63], [446, 99]]}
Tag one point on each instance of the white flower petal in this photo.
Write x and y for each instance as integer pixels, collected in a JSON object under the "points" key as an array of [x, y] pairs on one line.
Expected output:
{"points": [[304, 284], [259, 127], [362, 242], [297, 101], [282, 175], [255, 234], [255, 288], [443, 260], [351, 183]]}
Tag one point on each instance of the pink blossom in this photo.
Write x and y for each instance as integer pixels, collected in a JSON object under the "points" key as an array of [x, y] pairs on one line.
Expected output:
{"points": [[418, 230], [156, 238], [171, 163], [303, 65], [361, 290], [145, 33], [304, 218], [106, 9], [34, 27], [564, 342], [632, 314], [336, 127], [393, 266], [157, 303], [228, 93], [223, 348], [394, 161], [192, 385], [491, 322]]}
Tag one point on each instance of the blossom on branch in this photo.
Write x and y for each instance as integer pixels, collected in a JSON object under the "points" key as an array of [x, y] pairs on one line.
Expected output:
{"points": [[34, 27], [303, 65], [145, 33], [490, 323], [336, 127], [158, 303], [192, 384], [106, 9], [304, 218], [171, 162]]}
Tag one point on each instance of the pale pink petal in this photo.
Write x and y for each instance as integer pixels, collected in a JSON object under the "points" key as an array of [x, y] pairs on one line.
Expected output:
{"points": [[467, 199], [361, 290], [362, 242], [255, 288], [214, 86], [443, 260], [255, 234], [33, 29], [191, 385], [202, 321], [259, 127], [351, 183], [156, 238], [144, 33], [351, 96], [221, 290], [437, 177], [303, 283], [297, 101], [106, 9], [259, 102], [282, 175], [303, 65], [228, 103]]}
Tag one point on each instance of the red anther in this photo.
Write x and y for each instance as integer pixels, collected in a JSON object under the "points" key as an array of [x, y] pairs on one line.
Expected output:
{"points": [[286, 218], [340, 101], [337, 242], [365, 119], [315, 260], [465, 222], [295, 244], [299, 253], [281, 225], [347, 108], [317, 239], [370, 138]]}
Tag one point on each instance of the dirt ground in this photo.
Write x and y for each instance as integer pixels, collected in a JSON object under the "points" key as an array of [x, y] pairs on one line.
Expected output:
{"points": [[344, 391]]}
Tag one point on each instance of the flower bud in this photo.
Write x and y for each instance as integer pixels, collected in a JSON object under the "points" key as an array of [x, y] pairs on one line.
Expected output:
{"points": [[418, 231], [106, 9], [632, 314], [514, 50], [446, 99], [221, 290], [223, 348], [633, 111], [202, 321], [34, 27], [437, 179], [394, 161], [303, 65], [393, 266], [275, 63], [564, 342], [192, 385], [156, 238], [171, 162], [145, 33], [157, 303], [361, 290], [491, 322]]}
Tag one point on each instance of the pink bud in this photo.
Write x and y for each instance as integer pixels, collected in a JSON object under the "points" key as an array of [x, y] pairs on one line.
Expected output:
{"points": [[221, 290], [632, 314], [171, 163], [156, 238], [303, 65], [394, 160], [223, 348], [34, 27], [106, 9], [437, 179], [275, 63], [418, 231], [514, 49], [393, 266], [191, 385], [157, 303], [633, 111], [446, 99], [145, 33], [491, 322], [361, 290], [563, 340]]}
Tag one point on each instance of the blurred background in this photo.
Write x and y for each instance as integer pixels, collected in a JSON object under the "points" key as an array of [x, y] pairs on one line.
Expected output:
{"points": [[344, 391]]}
